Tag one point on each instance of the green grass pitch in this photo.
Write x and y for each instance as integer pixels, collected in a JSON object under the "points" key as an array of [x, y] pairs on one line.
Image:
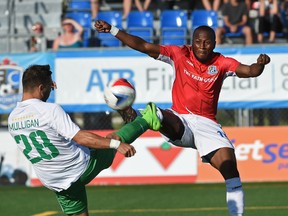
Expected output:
{"points": [[262, 199]]}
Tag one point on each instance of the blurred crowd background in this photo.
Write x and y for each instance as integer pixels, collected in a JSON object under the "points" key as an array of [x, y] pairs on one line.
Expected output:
{"points": [[39, 25], [50, 25]]}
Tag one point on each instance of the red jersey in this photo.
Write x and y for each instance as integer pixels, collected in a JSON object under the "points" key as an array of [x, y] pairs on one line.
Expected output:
{"points": [[197, 86]]}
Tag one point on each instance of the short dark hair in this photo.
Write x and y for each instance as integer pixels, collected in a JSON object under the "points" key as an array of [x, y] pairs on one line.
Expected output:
{"points": [[36, 75], [208, 29]]}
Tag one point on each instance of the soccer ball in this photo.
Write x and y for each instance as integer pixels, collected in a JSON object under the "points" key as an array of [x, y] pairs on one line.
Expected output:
{"points": [[119, 94], [6, 89]]}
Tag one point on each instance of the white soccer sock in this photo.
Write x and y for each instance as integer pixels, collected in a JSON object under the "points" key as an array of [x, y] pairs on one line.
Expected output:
{"points": [[235, 196]]}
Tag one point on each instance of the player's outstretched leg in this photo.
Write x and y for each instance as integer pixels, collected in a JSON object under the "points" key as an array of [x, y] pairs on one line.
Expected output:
{"points": [[149, 120], [128, 115], [150, 115]]}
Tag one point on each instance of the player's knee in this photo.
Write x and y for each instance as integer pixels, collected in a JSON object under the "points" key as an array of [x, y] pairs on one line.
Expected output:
{"points": [[172, 125], [109, 158], [229, 169]]}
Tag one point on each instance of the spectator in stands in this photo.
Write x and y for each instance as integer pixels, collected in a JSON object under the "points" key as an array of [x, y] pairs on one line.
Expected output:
{"points": [[174, 4], [248, 2], [235, 17], [208, 5], [71, 36], [95, 7], [37, 42], [142, 6], [284, 10], [284, 7], [127, 6], [269, 20]]}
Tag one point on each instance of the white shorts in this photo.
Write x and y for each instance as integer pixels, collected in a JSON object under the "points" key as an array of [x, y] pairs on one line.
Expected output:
{"points": [[202, 134]]}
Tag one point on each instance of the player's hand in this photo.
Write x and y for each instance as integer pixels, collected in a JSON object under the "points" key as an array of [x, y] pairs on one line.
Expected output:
{"points": [[126, 149], [102, 26], [263, 59]]}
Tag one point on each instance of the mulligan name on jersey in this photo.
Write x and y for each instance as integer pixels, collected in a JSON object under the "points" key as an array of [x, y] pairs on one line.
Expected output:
{"points": [[23, 123]]}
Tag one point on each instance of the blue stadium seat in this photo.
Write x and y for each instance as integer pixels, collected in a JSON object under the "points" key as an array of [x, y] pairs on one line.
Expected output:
{"points": [[173, 27], [79, 5], [234, 34], [141, 24], [114, 18], [86, 37], [204, 17]]}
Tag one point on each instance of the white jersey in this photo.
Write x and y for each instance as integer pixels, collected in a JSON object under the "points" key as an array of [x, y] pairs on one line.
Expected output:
{"points": [[44, 132]]}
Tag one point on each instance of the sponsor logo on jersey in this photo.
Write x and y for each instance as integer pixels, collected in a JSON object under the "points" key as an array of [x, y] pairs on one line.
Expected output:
{"points": [[212, 70], [190, 63]]}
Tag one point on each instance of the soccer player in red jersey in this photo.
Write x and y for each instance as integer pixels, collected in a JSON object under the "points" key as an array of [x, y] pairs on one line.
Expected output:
{"points": [[191, 122]]}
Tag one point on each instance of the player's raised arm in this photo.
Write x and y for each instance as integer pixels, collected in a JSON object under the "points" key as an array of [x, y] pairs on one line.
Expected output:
{"points": [[255, 69], [132, 41]]}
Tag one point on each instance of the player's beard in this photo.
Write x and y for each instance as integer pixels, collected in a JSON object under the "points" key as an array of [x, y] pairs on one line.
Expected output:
{"points": [[46, 94]]}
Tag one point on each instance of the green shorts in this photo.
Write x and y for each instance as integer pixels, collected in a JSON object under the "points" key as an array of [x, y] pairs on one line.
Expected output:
{"points": [[74, 199]]}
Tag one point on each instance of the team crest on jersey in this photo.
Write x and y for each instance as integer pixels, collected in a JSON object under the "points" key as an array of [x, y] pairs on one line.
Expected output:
{"points": [[212, 70]]}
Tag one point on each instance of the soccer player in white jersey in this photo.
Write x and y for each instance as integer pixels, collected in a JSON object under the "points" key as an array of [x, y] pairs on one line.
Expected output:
{"points": [[64, 157], [191, 122]]}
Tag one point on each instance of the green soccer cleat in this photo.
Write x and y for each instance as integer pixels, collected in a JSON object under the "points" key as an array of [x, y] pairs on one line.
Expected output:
{"points": [[150, 115]]}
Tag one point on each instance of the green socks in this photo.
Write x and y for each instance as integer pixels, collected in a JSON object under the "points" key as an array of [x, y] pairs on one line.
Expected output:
{"points": [[131, 131]]}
